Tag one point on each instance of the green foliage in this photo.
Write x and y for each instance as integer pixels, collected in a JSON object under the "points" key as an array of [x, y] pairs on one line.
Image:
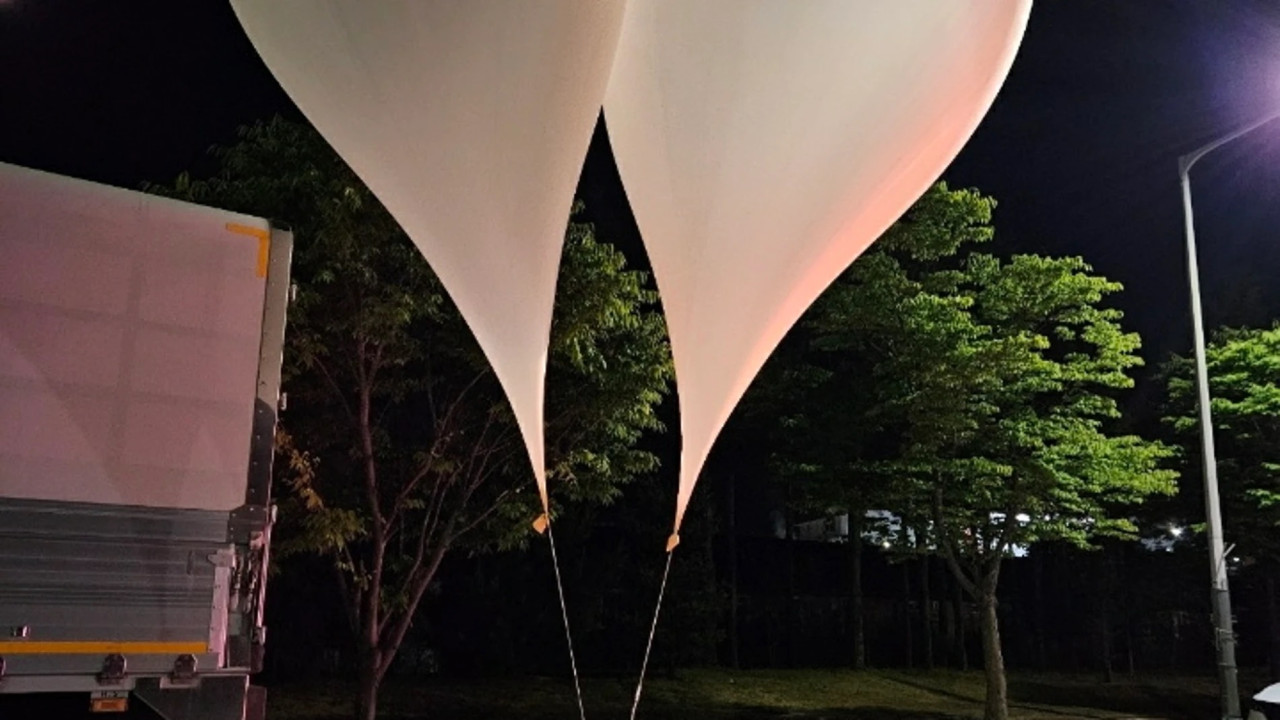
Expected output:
{"points": [[610, 369], [970, 395], [1029, 389], [1244, 380], [825, 385]]}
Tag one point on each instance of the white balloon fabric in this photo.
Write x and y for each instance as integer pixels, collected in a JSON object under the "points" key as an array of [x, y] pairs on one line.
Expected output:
{"points": [[470, 122], [764, 144]]}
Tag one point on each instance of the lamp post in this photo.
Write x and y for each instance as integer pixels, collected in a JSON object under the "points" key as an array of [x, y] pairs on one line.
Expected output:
{"points": [[1221, 596]]}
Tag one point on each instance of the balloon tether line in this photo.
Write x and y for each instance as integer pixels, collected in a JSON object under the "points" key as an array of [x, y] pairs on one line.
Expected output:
{"points": [[652, 629], [564, 613]]}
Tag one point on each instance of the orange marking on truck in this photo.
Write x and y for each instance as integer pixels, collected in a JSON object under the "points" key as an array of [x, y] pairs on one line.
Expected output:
{"points": [[264, 243], [93, 647]]}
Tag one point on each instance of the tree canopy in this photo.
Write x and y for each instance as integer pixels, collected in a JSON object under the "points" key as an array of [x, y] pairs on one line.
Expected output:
{"points": [[1244, 381]]}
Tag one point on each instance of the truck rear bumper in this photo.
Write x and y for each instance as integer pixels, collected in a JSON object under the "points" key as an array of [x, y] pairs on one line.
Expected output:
{"points": [[215, 698]]}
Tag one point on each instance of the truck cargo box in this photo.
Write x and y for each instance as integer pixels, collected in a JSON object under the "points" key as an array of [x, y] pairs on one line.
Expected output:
{"points": [[140, 348]]}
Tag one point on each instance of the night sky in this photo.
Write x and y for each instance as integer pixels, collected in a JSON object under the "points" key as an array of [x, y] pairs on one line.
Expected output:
{"points": [[1080, 149]]}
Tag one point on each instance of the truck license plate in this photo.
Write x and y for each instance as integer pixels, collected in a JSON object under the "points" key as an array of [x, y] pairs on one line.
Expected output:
{"points": [[109, 701]]}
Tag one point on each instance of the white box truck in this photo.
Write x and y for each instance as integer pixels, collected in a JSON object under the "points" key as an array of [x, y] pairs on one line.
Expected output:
{"points": [[140, 349]]}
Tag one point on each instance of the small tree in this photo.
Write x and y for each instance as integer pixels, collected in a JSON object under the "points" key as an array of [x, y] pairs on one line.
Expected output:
{"points": [[818, 391], [992, 388], [400, 445], [815, 417]]}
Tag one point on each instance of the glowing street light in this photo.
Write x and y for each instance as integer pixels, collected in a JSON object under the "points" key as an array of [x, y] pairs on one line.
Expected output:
{"points": [[1221, 597]]}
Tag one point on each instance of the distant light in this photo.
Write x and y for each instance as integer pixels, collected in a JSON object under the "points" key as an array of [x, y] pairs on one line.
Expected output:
{"points": [[1175, 531], [885, 544]]}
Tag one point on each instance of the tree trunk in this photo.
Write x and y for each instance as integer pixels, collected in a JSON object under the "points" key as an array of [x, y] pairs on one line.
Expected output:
{"points": [[997, 705], [962, 622], [856, 604], [370, 656], [376, 651], [1104, 642], [926, 610], [734, 661], [791, 582], [948, 613], [1128, 644], [1104, 618], [1273, 625], [908, 641], [1042, 627], [1126, 614], [711, 621], [370, 679]]}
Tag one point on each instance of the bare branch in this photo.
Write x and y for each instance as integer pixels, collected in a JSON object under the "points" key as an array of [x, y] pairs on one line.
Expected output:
{"points": [[950, 548], [375, 364], [424, 469], [390, 644], [334, 387], [1000, 543], [379, 550], [481, 517], [350, 603], [424, 534], [443, 431]]}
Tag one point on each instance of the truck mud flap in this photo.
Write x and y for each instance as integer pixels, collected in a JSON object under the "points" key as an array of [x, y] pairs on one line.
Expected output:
{"points": [[216, 698]]}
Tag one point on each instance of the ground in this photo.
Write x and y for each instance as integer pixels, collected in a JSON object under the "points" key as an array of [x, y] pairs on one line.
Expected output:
{"points": [[760, 695]]}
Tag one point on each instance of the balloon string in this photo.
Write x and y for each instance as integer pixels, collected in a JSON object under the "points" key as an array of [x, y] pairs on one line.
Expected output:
{"points": [[564, 613], [662, 589]]}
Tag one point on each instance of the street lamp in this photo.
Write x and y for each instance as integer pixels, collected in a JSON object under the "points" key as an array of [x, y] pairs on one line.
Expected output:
{"points": [[1221, 596]]}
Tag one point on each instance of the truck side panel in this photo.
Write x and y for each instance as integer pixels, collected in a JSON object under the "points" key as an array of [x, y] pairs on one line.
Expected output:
{"points": [[141, 340]]}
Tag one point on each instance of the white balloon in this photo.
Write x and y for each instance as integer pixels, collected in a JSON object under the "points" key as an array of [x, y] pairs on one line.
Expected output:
{"points": [[765, 144], [469, 121]]}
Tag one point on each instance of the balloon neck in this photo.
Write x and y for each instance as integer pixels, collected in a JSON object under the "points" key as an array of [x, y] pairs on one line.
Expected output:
{"points": [[673, 541], [541, 522]]}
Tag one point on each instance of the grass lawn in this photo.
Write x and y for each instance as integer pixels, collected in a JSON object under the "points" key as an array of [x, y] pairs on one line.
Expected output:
{"points": [[756, 695]]}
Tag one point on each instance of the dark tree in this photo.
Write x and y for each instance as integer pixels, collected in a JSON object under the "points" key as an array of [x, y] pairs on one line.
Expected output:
{"points": [[399, 443]]}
